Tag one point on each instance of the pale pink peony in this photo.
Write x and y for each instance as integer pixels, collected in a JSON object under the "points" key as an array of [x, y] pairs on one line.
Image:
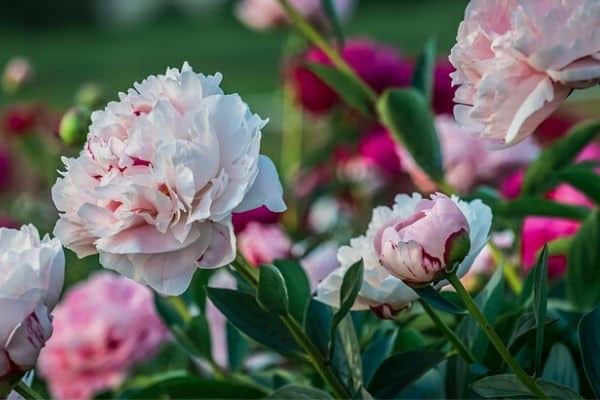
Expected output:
{"points": [[263, 244], [159, 177], [468, 159], [518, 60], [31, 279], [415, 225], [102, 327], [265, 14]]}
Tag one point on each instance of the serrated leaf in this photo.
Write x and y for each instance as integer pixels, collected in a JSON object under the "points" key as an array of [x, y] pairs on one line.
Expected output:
{"points": [[589, 342], [243, 311], [540, 298], [438, 301], [559, 155], [271, 292], [400, 370], [422, 78], [509, 386], [406, 113], [346, 87], [583, 280]]}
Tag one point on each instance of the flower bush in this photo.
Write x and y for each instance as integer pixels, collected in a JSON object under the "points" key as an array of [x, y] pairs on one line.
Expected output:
{"points": [[430, 228]]}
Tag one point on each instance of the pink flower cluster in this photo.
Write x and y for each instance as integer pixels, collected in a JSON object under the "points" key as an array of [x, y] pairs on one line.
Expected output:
{"points": [[101, 329]]}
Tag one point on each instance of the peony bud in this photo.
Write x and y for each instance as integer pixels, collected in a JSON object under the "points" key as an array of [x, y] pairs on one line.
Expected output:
{"points": [[73, 126], [419, 249], [18, 72], [31, 279], [90, 95]]}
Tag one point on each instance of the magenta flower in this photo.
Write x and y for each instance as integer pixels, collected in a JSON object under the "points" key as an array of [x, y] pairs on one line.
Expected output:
{"points": [[263, 244]]}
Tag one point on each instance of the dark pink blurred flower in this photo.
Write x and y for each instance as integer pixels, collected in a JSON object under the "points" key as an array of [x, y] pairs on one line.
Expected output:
{"points": [[19, 120], [380, 66], [538, 231], [8, 222], [6, 170], [511, 185], [261, 214], [443, 92], [263, 244], [555, 126], [102, 328], [378, 148]]}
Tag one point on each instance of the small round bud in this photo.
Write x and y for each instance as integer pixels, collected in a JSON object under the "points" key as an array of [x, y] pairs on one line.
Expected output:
{"points": [[74, 126], [17, 73], [90, 95]]}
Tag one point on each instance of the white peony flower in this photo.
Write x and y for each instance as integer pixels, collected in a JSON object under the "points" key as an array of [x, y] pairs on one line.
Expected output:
{"points": [[159, 177]]}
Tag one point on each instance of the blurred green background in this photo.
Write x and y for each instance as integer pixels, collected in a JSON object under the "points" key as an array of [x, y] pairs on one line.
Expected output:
{"points": [[70, 42]]}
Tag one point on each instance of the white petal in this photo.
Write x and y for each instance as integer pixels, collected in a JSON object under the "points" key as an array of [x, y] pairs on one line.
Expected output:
{"points": [[266, 189]]}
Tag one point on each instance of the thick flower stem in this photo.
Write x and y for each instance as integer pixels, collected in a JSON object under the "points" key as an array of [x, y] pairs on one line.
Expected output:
{"points": [[26, 392], [315, 38], [319, 363], [496, 341], [451, 336]]}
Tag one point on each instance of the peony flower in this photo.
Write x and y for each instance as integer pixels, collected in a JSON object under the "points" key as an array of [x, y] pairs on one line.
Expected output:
{"points": [[17, 73], [31, 279], [443, 91], [261, 214], [263, 244], [102, 328], [159, 177], [413, 225], [320, 262], [265, 14], [468, 160], [20, 120], [379, 66], [518, 60]]}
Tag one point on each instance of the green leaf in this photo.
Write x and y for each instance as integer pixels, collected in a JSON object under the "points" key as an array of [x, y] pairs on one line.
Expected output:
{"points": [[194, 337], [334, 20], [524, 328], [378, 349], [583, 279], [346, 87], [560, 367], [490, 302], [167, 310], [237, 347], [298, 287], [300, 393], [559, 155], [243, 311], [509, 386], [351, 284], [422, 78], [583, 178], [437, 300], [272, 291], [182, 385], [540, 299], [406, 113], [589, 342], [400, 370], [527, 206]]}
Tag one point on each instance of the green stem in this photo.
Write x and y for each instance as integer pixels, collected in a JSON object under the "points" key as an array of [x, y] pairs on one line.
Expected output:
{"points": [[451, 336], [315, 38], [26, 392], [320, 364], [527, 380]]}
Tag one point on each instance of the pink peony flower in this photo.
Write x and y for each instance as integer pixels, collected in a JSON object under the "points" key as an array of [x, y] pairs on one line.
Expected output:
{"points": [[260, 214], [19, 120], [518, 60], [420, 228], [102, 328], [160, 175], [31, 279], [265, 14], [263, 244], [468, 160], [380, 66], [378, 149]]}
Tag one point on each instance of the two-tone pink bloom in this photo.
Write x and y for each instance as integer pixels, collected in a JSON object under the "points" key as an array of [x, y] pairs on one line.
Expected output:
{"points": [[518, 60], [413, 242], [102, 328], [162, 171], [31, 279]]}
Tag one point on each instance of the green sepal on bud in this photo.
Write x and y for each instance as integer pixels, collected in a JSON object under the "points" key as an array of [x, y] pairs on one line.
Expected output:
{"points": [[74, 126], [457, 248]]}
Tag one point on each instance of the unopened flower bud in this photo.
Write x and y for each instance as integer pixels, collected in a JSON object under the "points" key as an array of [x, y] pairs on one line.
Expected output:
{"points": [[18, 72], [73, 126], [90, 95]]}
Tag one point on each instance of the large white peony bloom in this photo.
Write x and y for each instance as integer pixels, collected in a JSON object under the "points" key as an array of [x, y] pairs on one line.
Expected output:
{"points": [[160, 175], [31, 279]]}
